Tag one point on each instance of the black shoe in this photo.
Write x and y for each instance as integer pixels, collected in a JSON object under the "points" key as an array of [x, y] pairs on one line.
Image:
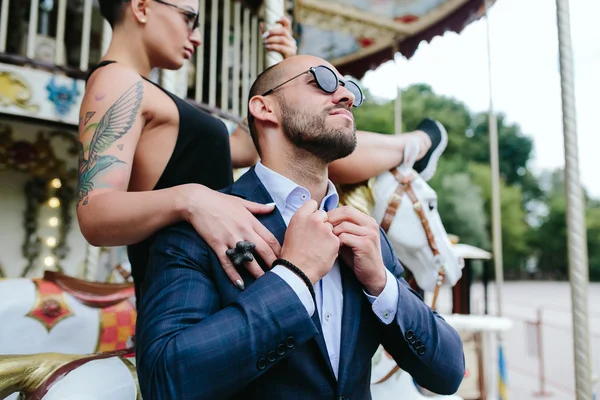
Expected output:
{"points": [[427, 165]]}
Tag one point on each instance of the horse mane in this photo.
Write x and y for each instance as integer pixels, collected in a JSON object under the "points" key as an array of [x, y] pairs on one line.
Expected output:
{"points": [[358, 195], [26, 373]]}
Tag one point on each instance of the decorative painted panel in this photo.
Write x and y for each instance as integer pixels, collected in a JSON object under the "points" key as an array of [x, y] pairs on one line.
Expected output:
{"points": [[40, 94]]}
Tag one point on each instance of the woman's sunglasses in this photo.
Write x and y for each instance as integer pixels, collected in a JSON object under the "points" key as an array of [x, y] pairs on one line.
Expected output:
{"points": [[327, 81], [190, 16]]}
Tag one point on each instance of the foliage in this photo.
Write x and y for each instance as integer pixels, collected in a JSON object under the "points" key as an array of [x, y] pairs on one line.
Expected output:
{"points": [[533, 209]]}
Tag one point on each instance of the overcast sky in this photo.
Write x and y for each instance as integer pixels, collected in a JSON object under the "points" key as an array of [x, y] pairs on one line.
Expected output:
{"points": [[525, 72]]}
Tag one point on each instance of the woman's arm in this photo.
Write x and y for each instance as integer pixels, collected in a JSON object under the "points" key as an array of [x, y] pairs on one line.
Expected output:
{"points": [[375, 153], [111, 124]]}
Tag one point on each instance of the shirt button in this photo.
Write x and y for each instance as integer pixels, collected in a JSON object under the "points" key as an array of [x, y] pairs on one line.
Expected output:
{"points": [[386, 315], [327, 317]]}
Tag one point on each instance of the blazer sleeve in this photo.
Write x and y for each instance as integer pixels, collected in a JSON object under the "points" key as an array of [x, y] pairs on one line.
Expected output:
{"points": [[187, 345], [421, 342]]}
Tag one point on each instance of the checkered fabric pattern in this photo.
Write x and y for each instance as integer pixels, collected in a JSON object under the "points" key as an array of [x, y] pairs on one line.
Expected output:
{"points": [[117, 326]]}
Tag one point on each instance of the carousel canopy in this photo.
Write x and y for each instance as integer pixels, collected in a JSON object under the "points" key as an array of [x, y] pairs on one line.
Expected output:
{"points": [[359, 35]]}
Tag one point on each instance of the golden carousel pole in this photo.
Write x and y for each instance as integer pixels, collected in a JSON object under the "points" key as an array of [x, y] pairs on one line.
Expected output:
{"points": [[398, 101]]}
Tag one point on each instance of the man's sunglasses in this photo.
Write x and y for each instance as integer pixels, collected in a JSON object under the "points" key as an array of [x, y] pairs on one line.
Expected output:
{"points": [[327, 81], [190, 16]]}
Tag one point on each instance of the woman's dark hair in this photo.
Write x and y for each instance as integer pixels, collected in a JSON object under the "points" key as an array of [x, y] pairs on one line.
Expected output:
{"points": [[112, 10]]}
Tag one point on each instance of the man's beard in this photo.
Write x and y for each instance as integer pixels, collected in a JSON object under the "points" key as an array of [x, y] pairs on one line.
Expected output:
{"points": [[312, 133]]}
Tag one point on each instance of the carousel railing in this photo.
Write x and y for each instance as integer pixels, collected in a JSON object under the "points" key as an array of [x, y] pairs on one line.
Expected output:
{"points": [[67, 37]]}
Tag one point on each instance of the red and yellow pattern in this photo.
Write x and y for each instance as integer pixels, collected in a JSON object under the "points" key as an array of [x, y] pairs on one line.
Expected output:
{"points": [[50, 305], [117, 326]]}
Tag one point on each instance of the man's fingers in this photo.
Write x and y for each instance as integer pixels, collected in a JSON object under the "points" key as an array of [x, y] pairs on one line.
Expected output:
{"points": [[346, 213], [307, 208], [349, 240], [349, 227]]}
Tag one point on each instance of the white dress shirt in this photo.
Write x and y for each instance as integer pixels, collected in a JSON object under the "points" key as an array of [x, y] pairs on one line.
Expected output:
{"points": [[289, 197]]}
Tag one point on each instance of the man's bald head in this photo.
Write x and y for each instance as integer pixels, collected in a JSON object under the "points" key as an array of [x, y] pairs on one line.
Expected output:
{"points": [[276, 75]]}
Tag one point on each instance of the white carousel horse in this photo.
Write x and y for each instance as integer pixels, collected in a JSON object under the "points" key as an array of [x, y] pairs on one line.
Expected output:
{"points": [[54, 376], [62, 314], [405, 206]]}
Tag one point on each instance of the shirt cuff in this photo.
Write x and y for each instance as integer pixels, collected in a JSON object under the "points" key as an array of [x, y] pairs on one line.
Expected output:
{"points": [[298, 285], [386, 304]]}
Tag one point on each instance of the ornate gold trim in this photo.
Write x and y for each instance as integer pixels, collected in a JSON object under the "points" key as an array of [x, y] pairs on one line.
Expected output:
{"points": [[38, 306], [14, 91], [133, 372]]}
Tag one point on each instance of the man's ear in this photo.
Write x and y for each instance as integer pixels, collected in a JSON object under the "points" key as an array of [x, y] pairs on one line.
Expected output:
{"points": [[140, 10], [262, 109]]}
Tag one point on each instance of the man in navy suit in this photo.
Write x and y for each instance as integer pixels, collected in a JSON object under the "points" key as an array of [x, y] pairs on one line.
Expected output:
{"points": [[309, 326]]}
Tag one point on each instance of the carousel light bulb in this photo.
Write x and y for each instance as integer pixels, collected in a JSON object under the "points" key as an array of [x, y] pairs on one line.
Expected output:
{"points": [[49, 261], [56, 183], [53, 222], [51, 241], [54, 202]]}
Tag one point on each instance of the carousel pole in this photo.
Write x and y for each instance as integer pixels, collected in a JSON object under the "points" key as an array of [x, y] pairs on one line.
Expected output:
{"points": [[398, 101], [274, 9], [496, 213], [576, 231]]}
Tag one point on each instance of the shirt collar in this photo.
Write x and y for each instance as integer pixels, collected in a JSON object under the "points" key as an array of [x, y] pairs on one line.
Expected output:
{"points": [[286, 192]]}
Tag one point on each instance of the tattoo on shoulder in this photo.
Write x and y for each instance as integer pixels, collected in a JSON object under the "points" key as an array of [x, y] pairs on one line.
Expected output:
{"points": [[115, 123]]}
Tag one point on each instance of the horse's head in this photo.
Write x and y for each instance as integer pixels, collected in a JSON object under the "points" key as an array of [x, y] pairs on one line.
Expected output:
{"points": [[406, 207]]}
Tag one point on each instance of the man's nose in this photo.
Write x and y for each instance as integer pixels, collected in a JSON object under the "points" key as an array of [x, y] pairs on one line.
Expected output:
{"points": [[343, 95]]}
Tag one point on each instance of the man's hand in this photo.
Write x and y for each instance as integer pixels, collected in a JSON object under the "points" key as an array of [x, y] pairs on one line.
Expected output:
{"points": [[360, 246], [309, 242]]}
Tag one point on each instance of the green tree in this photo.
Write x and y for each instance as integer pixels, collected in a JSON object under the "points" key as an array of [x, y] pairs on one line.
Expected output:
{"points": [[550, 238], [515, 229]]}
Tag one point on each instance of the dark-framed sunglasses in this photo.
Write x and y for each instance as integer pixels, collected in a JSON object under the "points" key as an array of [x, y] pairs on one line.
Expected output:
{"points": [[327, 81], [192, 18]]}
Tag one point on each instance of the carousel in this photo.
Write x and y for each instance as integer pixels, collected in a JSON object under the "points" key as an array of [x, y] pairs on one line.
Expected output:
{"points": [[68, 308]]}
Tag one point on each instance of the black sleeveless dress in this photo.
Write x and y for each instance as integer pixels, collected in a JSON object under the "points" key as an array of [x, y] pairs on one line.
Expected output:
{"points": [[201, 155]]}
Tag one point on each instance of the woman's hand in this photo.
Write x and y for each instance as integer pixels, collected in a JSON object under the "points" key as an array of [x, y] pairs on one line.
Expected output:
{"points": [[223, 220], [280, 38]]}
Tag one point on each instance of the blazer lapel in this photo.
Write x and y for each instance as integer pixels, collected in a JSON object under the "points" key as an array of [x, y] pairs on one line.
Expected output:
{"points": [[249, 187], [350, 322]]}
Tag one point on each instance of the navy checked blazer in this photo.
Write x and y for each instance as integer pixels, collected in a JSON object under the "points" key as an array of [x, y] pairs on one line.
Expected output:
{"points": [[200, 337]]}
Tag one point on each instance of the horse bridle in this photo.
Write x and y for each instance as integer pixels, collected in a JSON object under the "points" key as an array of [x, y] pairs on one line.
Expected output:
{"points": [[404, 186]]}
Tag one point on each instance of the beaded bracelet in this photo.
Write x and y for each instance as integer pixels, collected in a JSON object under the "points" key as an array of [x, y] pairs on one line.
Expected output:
{"points": [[297, 271]]}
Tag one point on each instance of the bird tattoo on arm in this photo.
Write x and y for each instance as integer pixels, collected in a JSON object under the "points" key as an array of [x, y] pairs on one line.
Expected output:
{"points": [[115, 123]]}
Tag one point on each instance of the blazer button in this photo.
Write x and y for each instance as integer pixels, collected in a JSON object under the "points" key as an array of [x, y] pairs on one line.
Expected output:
{"points": [[421, 350], [280, 349], [290, 342], [417, 344], [271, 356], [409, 334], [262, 363]]}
